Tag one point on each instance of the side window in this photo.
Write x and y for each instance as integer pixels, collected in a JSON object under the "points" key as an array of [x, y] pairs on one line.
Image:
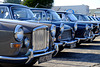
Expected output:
{"points": [[37, 15], [49, 16], [4, 14], [43, 15], [80, 18]]}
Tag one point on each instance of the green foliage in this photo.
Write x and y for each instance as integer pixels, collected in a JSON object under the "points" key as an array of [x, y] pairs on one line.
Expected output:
{"points": [[12, 1], [39, 3]]}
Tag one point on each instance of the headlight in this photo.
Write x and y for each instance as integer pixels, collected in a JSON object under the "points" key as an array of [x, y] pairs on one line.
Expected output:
{"points": [[87, 27], [61, 27], [92, 26], [75, 26], [53, 30], [19, 33]]}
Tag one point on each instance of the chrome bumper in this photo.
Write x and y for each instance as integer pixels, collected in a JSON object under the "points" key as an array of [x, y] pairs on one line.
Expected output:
{"points": [[70, 42], [59, 43], [85, 39], [29, 56], [81, 38], [97, 34]]}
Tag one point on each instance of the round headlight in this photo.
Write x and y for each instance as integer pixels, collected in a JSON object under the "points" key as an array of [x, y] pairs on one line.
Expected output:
{"points": [[87, 27], [92, 26], [26, 42], [53, 30], [19, 33], [75, 26], [61, 27]]}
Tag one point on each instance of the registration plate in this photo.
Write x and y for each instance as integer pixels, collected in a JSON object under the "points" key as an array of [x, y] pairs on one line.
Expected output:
{"points": [[45, 58], [73, 45]]}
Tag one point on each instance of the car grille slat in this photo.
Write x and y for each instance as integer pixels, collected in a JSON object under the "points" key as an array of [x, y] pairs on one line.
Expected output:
{"points": [[66, 35], [40, 38]]}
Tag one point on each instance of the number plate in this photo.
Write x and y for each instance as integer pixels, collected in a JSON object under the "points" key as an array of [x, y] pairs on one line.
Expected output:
{"points": [[45, 58], [73, 45]]}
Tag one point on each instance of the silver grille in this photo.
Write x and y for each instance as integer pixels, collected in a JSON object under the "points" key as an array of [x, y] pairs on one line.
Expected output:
{"points": [[40, 39], [66, 35]]}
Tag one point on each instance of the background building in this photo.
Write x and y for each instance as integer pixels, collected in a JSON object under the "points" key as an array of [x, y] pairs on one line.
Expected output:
{"points": [[94, 12], [83, 9]]}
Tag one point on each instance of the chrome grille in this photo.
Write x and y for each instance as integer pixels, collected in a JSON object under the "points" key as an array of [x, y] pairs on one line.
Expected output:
{"points": [[40, 39], [66, 35]]}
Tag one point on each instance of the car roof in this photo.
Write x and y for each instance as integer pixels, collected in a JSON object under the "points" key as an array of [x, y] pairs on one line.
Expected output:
{"points": [[42, 9], [11, 4]]}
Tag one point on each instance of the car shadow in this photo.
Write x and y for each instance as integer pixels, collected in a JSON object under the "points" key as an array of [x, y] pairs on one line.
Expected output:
{"points": [[90, 46], [82, 57]]}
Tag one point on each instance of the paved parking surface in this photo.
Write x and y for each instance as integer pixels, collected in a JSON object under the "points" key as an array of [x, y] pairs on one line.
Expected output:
{"points": [[88, 55]]}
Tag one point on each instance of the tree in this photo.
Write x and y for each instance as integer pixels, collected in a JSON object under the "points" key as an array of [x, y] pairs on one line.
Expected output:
{"points": [[38, 3], [12, 1]]}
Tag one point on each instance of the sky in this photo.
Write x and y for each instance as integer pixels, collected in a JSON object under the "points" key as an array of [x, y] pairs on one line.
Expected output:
{"points": [[93, 4]]}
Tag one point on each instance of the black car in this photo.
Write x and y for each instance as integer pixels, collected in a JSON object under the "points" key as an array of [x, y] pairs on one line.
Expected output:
{"points": [[23, 13], [67, 36], [66, 16], [84, 19], [24, 42]]}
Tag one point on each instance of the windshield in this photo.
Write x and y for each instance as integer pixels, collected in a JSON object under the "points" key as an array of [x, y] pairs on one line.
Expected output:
{"points": [[22, 14], [71, 17], [55, 16], [4, 14], [82, 17], [39, 15]]}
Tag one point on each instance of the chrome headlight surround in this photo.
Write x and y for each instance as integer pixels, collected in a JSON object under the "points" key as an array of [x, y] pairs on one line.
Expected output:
{"points": [[91, 26], [19, 33], [61, 28], [87, 26], [53, 30], [75, 26]]}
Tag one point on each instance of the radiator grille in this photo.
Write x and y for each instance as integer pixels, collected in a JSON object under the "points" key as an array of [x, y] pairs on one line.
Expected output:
{"points": [[40, 38], [66, 35]]}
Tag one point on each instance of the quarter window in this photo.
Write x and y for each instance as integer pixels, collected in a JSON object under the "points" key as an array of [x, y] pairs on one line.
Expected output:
{"points": [[4, 13]]}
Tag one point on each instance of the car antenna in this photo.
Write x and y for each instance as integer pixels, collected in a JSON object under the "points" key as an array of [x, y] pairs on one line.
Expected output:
{"points": [[36, 5]]}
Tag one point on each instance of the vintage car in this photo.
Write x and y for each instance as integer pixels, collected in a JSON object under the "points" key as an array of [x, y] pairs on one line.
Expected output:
{"points": [[68, 34], [64, 34], [23, 42], [84, 19], [66, 16]]}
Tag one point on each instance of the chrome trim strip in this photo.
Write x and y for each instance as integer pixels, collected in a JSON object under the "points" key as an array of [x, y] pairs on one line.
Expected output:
{"points": [[39, 28]]}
